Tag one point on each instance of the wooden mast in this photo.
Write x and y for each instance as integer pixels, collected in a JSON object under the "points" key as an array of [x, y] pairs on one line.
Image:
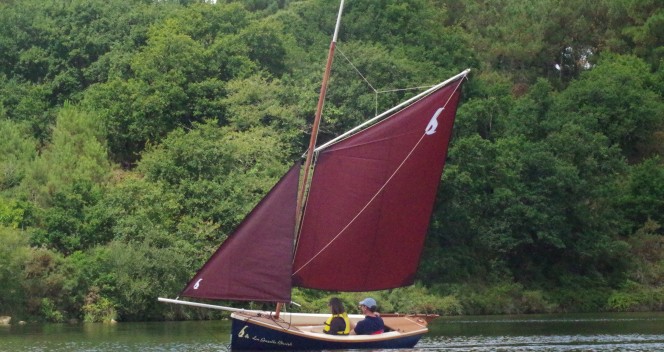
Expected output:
{"points": [[319, 111], [314, 129]]}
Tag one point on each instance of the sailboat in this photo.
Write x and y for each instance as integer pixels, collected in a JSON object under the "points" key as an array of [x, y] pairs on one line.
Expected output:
{"points": [[357, 224]]}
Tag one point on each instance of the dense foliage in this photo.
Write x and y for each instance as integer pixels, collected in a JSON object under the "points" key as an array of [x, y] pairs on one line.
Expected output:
{"points": [[137, 133]]}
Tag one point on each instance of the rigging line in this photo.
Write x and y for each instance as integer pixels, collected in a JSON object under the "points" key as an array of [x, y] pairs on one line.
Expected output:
{"points": [[376, 92], [364, 78], [377, 192], [356, 70]]}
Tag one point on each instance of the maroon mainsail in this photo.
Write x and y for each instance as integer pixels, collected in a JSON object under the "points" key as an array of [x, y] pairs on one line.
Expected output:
{"points": [[371, 199], [365, 218]]}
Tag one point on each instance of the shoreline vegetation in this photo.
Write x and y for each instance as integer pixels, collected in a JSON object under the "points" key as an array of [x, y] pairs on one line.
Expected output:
{"points": [[136, 134]]}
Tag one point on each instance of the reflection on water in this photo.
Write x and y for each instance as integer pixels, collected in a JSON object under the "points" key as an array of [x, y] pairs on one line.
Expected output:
{"points": [[164, 336], [633, 342], [597, 332], [580, 332]]}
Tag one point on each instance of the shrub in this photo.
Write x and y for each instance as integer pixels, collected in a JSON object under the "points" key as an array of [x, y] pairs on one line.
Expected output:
{"points": [[536, 302], [50, 312], [98, 309]]}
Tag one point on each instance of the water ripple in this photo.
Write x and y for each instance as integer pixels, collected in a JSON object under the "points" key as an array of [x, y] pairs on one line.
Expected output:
{"points": [[600, 342]]}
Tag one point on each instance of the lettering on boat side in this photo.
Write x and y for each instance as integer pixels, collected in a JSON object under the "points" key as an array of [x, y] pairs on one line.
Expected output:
{"points": [[243, 334], [272, 342], [433, 123], [197, 284]]}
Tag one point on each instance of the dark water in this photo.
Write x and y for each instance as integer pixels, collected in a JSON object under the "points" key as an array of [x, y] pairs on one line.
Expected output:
{"points": [[162, 336], [584, 332], [596, 332]]}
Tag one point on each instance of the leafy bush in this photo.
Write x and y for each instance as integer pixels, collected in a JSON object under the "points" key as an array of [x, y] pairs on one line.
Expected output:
{"points": [[534, 301], [634, 297], [418, 299], [504, 298], [50, 312], [581, 299], [132, 276], [623, 301], [98, 308]]}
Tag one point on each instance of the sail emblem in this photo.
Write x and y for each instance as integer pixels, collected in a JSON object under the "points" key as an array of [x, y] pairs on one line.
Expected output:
{"points": [[433, 123], [197, 284]]}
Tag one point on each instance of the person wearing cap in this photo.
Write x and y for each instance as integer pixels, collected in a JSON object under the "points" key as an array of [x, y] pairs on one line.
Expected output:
{"points": [[338, 323], [372, 323]]}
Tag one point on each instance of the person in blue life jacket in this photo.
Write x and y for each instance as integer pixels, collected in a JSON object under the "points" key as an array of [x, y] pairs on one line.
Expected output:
{"points": [[372, 323], [338, 323]]}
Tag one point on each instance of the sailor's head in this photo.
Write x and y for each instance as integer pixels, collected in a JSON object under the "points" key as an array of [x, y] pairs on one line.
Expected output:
{"points": [[336, 305], [370, 303]]}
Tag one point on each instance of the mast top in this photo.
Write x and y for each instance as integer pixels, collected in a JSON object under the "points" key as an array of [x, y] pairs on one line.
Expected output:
{"points": [[336, 28]]}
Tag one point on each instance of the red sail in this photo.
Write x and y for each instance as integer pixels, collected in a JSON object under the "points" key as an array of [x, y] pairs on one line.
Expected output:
{"points": [[254, 263], [371, 199]]}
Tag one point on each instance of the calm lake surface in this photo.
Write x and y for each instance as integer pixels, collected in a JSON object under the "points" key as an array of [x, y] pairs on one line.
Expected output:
{"points": [[585, 332]]}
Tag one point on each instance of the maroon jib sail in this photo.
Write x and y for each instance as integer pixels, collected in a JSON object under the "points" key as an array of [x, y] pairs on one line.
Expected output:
{"points": [[254, 263]]}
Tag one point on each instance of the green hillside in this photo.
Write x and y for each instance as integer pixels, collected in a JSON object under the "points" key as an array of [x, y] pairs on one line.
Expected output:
{"points": [[136, 134]]}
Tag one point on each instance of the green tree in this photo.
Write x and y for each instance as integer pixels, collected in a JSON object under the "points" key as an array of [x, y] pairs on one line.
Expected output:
{"points": [[17, 150], [219, 173], [616, 99], [148, 253], [155, 101], [132, 274], [43, 285], [64, 224], [641, 24], [77, 152], [13, 255], [461, 216], [27, 103], [642, 196], [175, 79], [257, 102], [264, 44]]}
